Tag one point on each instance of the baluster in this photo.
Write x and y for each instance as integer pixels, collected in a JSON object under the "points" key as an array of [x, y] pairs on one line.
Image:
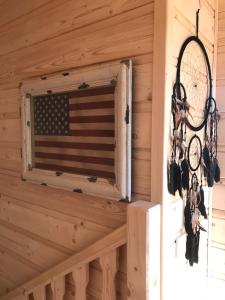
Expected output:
{"points": [[109, 267], [80, 278], [58, 288], [39, 293]]}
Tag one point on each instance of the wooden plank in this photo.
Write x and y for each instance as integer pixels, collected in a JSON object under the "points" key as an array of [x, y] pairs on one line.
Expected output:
{"points": [[206, 17], [221, 5], [23, 10], [81, 279], [28, 263], [70, 16], [142, 78], [141, 170], [10, 130], [10, 153], [143, 260], [19, 216], [138, 41], [29, 247], [11, 165], [71, 233], [6, 285], [109, 266], [107, 213], [142, 130], [10, 263]]}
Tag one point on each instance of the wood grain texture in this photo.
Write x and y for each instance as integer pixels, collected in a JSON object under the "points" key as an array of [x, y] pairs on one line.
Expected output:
{"points": [[218, 213], [56, 275], [109, 266], [143, 261], [175, 22], [81, 278], [39, 293], [43, 225]]}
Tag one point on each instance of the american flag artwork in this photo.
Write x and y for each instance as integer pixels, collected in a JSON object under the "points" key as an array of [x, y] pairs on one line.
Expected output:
{"points": [[73, 132]]}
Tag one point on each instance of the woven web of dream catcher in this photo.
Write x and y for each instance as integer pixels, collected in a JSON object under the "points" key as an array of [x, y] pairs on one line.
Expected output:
{"points": [[194, 77]]}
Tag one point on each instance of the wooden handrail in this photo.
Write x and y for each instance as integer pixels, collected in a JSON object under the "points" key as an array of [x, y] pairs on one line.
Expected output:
{"points": [[100, 248]]}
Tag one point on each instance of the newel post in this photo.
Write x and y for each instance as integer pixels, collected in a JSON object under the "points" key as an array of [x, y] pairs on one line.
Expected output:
{"points": [[143, 251]]}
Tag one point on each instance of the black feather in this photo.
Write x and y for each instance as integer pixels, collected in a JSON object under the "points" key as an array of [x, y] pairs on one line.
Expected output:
{"points": [[201, 203], [210, 173], [177, 179], [216, 170], [188, 218], [174, 178], [170, 174], [206, 156], [192, 248], [185, 174]]}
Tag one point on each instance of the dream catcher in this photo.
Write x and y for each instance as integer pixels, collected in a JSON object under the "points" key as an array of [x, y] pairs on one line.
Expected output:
{"points": [[193, 161]]}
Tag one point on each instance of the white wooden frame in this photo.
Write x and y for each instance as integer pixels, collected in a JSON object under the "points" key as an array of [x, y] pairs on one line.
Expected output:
{"points": [[98, 75]]}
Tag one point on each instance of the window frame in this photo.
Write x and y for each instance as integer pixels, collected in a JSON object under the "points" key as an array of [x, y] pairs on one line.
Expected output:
{"points": [[120, 73]]}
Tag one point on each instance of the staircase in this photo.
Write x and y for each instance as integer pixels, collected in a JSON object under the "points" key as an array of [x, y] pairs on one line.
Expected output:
{"points": [[143, 266]]}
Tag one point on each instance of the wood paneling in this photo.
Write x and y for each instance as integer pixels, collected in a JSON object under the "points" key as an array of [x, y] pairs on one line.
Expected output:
{"points": [[218, 228], [176, 22], [41, 225]]}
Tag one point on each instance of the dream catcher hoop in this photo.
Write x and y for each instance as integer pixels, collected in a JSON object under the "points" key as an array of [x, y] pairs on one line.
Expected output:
{"points": [[193, 86], [193, 162], [194, 153]]}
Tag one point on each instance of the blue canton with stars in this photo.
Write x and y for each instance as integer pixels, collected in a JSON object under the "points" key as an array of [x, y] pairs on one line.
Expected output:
{"points": [[51, 114]]}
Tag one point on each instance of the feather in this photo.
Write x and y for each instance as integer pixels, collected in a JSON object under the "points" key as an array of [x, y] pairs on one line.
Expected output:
{"points": [[210, 174], [201, 227], [216, 170], [188, 218], [170, 175], [174, 178], [177, 179], [201, 204], [185, 174], [192, 248], [206, 156], [196, 250]]}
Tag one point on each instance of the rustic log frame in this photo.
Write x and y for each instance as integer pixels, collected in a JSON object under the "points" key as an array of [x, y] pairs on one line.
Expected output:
{"points": [[119, 72]]}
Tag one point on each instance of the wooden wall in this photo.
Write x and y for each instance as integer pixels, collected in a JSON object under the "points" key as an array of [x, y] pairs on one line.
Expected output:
{"points": [[180, 25], [40, 226], [184, 19], [218, 229]]}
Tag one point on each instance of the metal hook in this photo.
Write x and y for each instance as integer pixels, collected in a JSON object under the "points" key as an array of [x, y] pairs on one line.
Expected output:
{"points": [[197, 22]]}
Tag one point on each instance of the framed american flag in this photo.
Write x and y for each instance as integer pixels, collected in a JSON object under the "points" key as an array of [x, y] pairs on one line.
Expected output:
{"points": [[77, 130]]}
